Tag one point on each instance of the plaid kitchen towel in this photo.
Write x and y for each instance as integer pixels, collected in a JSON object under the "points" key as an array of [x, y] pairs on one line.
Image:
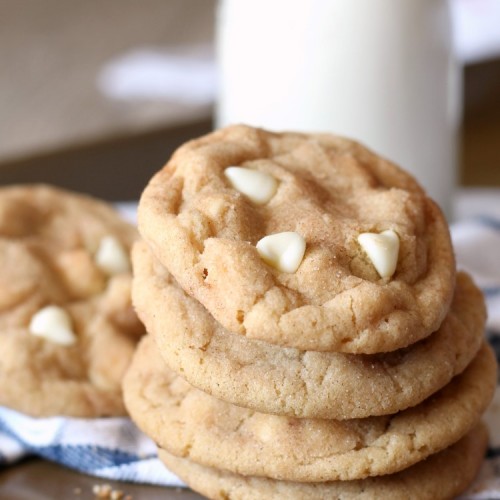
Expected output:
{"points": [[111, 448], [114, 448], [477, 248]]}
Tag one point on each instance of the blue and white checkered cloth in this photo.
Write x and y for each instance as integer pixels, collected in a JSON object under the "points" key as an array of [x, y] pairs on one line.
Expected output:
{"points": [[477, 248], [114, 448], [111, 448]]}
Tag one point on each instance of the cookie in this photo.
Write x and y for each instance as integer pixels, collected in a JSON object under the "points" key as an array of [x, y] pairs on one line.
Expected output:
{"points": [[440, 477], [296, 383], [381, 292], [191, 424], [67, 326]]}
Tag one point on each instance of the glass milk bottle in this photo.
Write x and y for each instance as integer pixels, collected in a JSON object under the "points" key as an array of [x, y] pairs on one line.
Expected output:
{"points": [[379, 71]]}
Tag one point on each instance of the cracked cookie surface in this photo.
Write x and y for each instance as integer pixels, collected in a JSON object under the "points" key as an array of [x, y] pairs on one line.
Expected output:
{"points": [[330, 190], [441, 476], [48, 241], [192, 424], [288, 381]]}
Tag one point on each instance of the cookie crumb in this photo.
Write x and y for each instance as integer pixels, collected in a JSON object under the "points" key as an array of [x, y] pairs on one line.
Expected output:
{"points": [[116, 495], [102, 490]]}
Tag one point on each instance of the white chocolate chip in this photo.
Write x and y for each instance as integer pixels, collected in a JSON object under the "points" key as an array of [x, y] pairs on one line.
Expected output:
{"points": [[258, 186], [284, 251], [383, 251], [111, 257], [53, 323]]}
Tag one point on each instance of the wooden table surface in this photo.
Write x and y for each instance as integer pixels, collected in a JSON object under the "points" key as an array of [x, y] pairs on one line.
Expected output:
{"points": [[36, 479]]}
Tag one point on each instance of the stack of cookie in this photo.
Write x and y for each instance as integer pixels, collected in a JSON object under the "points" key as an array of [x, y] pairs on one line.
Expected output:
{"points": [[308, 334]]}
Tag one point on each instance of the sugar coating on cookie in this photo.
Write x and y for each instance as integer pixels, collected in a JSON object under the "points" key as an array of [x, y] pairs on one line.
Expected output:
{"points": [[330, 191], [189, 423], [442, 476], [272, 379], [67, 326]]}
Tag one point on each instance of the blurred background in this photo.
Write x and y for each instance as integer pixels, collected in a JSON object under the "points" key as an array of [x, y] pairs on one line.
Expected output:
{"points": [[95, 94]]}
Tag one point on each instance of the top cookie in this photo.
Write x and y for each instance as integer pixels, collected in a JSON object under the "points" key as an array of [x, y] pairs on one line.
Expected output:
{"points": [[328, 190], [67, 327]]}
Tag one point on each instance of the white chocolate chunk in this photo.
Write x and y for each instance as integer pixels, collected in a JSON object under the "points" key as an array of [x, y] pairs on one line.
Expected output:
{"points": [[53, 323], [258, 186], [111, 257], [382, 249], [284, 251]]}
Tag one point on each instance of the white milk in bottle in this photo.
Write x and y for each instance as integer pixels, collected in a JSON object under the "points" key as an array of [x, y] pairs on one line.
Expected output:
{"points": [[379, 71]]}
